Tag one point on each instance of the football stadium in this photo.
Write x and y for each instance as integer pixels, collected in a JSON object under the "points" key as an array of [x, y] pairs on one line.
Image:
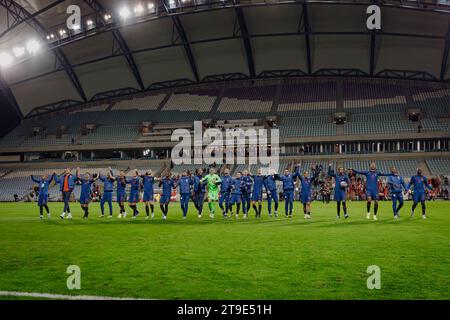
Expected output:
{"points": [[224, 150]]}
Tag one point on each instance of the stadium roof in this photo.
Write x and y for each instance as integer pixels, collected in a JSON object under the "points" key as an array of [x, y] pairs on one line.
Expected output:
{"points": [[180, 42]]}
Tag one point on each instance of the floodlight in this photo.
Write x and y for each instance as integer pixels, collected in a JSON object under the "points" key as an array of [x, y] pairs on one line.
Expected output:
{"points": [[139, 9], [33, 46], [6, 59], [19, 51], [124, 12]]}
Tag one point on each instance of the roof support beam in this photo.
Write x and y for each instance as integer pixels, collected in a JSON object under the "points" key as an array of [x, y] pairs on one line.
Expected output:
{"points": [[22, 19], [187, 46], [100, 11], [372, 51], [19, 13], [245, 38], [307, 28], [445, 55]]}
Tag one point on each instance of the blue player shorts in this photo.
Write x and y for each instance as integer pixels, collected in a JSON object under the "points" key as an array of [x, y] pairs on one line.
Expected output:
{"points": [[148, 196], [224, 197], [397, 196], [257, 196], [372, 194], [419, 197], [43, 199], [235, 198], [306, 198], [134, 196], [121, 197], [339, 195], [165, 199], [273, 195], [85, 199]]}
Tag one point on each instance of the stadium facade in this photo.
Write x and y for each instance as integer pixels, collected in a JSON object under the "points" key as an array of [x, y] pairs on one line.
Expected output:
{"points": [[336, 90]]}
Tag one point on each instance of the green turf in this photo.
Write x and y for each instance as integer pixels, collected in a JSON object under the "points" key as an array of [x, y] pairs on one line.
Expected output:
{"points": [[202, 259]]}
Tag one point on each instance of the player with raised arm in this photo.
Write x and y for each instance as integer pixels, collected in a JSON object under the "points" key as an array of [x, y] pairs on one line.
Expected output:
{"points": [[167, 184], [43, 186], [213, 181], [86, 191], [185, 183], [148, 181], [306, 192], [419, 184], [225, 191], [257, 194], [121, 194], [372, 176], [108, 188], [246, 191], [237, 187], [134, 198], [341, 183], [199, 192], [288, 180], [270, 183], [396, 184], [66, 182]]}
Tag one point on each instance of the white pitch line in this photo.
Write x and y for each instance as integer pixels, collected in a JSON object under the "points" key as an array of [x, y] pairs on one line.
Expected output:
{"points": [[59, 296]]}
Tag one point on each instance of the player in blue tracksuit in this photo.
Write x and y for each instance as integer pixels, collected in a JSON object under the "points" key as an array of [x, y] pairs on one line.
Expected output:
{"points": [[396, 185], [121, 193], [86, 190], [167, 184], [372, 187], [148, 181], [419, 184], [185, 183], [257, 194], [134, 197], [306, 192], [247, 191], [43, 185], [108, 189], [66, 182], [237, 187], [225, 191], [199, 192], [288, 180], [270, 183], [341, 183]]}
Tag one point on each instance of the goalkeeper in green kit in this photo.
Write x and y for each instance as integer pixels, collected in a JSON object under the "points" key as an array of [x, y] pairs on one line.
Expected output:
{"points": [[213, 181]]}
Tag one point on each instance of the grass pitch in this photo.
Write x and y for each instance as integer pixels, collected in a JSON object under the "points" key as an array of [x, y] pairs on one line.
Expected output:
{"points": [[228, 259]]}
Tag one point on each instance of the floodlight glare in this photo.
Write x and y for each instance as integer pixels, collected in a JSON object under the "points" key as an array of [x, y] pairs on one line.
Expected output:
{"points": [[89, 23], [151, 6], [19, 51], [33, 46], [107, 17], [5, 59], [124, 13], [62, 32], [138, 9]]}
